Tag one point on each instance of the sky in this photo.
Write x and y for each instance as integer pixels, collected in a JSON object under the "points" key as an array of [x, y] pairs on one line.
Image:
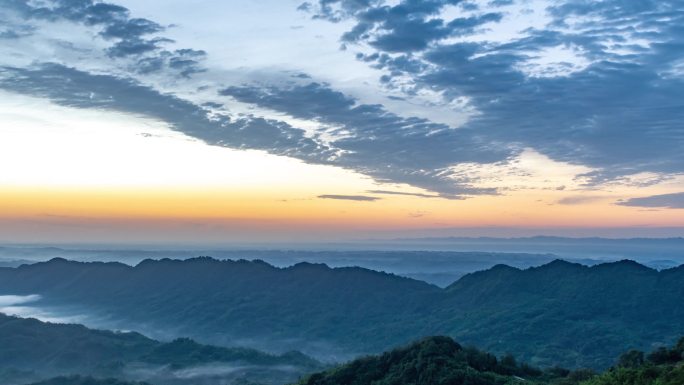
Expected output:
{"points": [[274, 120]]}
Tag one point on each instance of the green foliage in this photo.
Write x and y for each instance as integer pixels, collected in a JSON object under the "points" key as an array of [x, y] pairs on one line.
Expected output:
{"points": [[662, 367], [434, 361]]}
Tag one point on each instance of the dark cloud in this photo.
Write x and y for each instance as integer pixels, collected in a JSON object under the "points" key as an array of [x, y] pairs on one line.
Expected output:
{"points": [[622, 114], [388, 192], [580, 199], [360, 198], [408, 26], [671, 201], [379, 143], [15, 31], [130, 29], [134, 38], [134, 47], [70, 87]]}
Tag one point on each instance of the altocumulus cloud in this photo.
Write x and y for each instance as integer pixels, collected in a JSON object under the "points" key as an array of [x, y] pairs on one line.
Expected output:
{"points": [[618, 109], [373, 141]]}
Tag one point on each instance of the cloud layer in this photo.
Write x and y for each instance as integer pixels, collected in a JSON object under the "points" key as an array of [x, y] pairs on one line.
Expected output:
{"points": [[599, 84], [670, 201], [617, 106]]}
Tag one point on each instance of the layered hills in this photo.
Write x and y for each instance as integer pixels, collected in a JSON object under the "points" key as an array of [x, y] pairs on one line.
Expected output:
{"points": [[555, 314], [32, 350]]}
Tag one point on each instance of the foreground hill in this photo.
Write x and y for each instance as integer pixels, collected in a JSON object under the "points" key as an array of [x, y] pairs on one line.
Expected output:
{"points": [[30, 349], [439, 360], [661, 367], [556, 314]]}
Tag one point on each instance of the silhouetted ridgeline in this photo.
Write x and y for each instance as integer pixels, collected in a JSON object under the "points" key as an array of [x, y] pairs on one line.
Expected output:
{"points": [[556, 314]]}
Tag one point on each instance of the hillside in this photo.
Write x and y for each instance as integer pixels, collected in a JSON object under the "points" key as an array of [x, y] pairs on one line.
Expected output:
{"points": [[556, 314], [663, 366], [308, 307], [30, 349], [565, 313], [439, 360]]}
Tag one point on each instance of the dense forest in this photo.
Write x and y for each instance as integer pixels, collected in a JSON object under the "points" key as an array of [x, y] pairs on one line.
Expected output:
{"points": [[663, 366], [557, 314]]}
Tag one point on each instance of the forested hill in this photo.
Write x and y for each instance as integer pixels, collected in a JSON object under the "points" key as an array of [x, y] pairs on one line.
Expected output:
{"points": [[305, 306], [556, 314], [30, 349], [663, 366], [440, 360], [565, 313]]}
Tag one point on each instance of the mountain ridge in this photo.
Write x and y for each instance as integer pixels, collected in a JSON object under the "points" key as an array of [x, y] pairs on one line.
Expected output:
{"points": [[31, 350], [348, 311]]}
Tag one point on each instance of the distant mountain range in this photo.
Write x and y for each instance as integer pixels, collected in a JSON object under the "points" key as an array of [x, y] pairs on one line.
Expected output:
{"points": [[557, 314], [32, 350], [437, 267], [664, 252], [439, 261]]}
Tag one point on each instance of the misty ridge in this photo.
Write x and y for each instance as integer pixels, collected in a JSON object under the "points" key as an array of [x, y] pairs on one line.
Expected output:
{"points": [[32, 350], [559, 313]]}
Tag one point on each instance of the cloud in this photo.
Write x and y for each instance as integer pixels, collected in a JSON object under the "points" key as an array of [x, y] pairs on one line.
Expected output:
{"points": [[387, 192], [383, 145], [620, 112], [74, 88], [360, 198], [616, 104], [135, 39], [405, 27], [13, 300], [580, 199], [670, 201], [378, 143]]}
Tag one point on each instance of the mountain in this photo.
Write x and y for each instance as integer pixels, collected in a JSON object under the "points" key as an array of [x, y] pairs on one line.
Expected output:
{"points": [[439, 360], [30, 349], [306, 306], [566, 313], [436, 267], [559, 313]]}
